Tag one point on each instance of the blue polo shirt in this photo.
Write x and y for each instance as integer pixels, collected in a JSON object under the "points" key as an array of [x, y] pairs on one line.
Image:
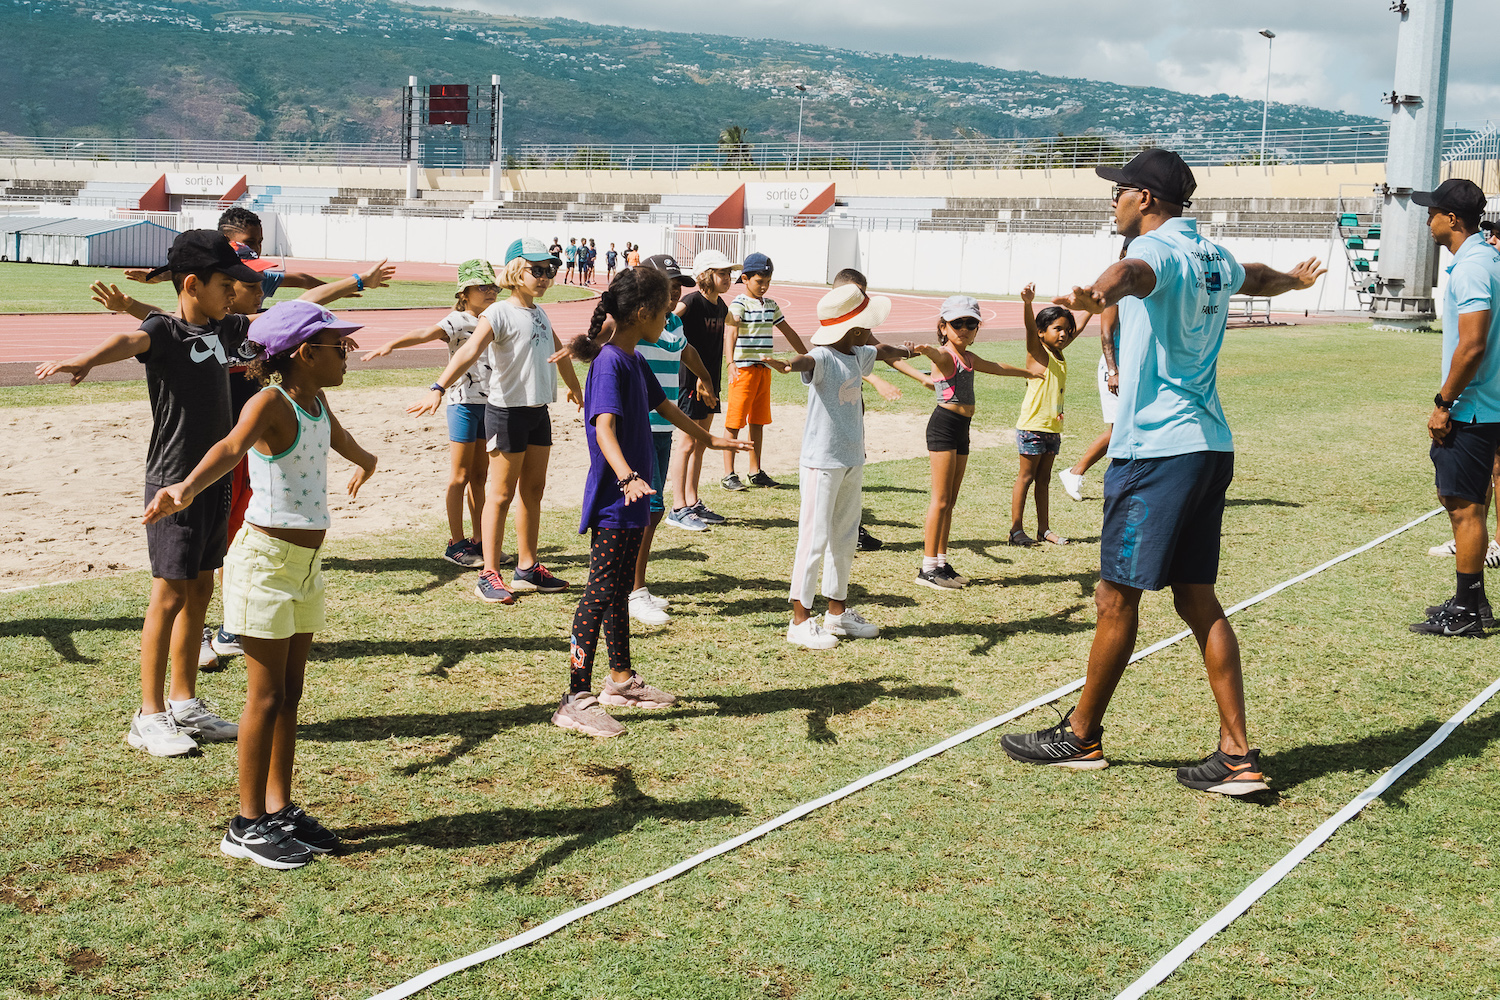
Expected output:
{"points": [[1474, 286], [1169, 347]]}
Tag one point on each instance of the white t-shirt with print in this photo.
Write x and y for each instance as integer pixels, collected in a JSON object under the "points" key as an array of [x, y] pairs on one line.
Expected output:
{"points": [[520, 374], [834, 435], [473, 386]]}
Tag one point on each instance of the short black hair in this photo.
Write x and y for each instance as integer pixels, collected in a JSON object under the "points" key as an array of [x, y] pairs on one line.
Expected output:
{"points": [[849, 276], [204, 276], [238, 219]]}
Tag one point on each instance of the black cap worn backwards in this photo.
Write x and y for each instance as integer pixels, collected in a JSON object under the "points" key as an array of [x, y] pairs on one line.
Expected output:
{"points": [[205, 250], [1458, 195], [1160, 171]]}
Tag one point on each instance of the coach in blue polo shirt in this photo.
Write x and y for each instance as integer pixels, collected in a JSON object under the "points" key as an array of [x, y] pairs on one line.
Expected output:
{"points": [[1465, 421], [1173, 459]]}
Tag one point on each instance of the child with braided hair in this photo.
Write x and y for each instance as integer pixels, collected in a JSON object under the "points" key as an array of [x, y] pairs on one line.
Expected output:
{"points": [[617, 397]]}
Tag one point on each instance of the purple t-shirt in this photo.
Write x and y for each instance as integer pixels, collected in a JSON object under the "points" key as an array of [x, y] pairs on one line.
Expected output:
{"points": [[620, 383]]}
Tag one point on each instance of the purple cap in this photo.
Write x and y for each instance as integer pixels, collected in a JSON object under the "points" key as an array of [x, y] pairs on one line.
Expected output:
{"points": [[288, 325]]}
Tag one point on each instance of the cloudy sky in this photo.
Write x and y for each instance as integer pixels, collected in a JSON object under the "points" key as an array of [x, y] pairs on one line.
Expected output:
{"points": [[1328, 53]]}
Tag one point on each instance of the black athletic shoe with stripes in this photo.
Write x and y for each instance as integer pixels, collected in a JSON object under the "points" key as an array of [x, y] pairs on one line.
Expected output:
{"points": [[1486, 615], [1450, 621], [1225, 774], [1058, 746], [267, 842], [304, 828]]}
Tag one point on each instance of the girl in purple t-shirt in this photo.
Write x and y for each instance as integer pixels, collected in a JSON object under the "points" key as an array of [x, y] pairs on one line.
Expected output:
{"points": [[619, 393]]}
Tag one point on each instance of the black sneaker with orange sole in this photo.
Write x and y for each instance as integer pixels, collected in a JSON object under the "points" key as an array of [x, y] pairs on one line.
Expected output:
{"points": [[1058, 746], [1225, 774]]}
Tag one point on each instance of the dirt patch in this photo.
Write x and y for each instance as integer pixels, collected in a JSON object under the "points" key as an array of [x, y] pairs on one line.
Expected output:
{"points": [[21, 901], [84, 962], [109, 863]]}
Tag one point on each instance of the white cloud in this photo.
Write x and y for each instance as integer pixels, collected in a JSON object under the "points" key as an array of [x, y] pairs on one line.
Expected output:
{"points": [[1328, 53]]}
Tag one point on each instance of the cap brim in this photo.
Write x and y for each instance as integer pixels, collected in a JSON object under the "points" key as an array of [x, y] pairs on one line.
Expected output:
{"points": [[259, 264], [240, 271], [1425, 199], [344, 326], [688, 280], [876, 312], [540, 258], [1116, 174]]}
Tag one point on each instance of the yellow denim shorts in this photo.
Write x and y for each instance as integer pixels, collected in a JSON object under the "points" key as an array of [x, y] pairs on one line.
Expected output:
{"points": [[272, 589]]}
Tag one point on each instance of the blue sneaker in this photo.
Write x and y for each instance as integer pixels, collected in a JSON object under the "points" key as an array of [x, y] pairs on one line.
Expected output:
{"points": [[492, 590], [707, 516], [536, 578], [463, 553], [687, 519], [226, 644]]}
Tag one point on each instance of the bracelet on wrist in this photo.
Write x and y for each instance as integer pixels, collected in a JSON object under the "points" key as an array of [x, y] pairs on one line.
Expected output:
{"points": [[436, 387], [622, 483], [359, 282]]}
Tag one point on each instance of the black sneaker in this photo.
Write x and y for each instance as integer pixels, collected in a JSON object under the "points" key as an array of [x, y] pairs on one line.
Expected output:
{"points": [[268, 843], [762, 480], [707, 516], [937, 579], [867, 542], [954, 575], [1058, 747], [1486, 616], [1225, 774], [732, 483], [537, 578], [305, 829], [1450, 621]]}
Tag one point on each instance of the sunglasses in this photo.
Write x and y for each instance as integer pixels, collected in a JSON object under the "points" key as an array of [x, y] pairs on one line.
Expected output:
{"points": [[343, 349], [964, 323], [544, 270], [1120, 189]]}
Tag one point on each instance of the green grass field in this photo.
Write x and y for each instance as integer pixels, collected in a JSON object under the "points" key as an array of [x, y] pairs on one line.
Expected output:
{"points": [[56, 288], [468, 818]]}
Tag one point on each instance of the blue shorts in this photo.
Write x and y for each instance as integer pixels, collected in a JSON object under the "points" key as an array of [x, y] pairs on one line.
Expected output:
{"points": [[465, 422], [1463, 461], [660, 461], [1038, 442], [1162, 519]]}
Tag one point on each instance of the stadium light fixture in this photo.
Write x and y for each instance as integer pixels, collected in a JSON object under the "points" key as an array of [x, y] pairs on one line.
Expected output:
{"points": [[801, 96], [1265, 112]]}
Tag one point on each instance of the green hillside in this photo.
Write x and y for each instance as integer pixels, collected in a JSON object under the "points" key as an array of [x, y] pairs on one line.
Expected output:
{"points": [[331, 70]]}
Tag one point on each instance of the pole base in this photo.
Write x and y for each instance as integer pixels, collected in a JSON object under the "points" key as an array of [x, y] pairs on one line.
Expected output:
{"points": [[1401, 312]]}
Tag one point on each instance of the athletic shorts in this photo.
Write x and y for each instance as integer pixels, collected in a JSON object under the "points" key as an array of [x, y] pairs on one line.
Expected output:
{"points": [[1162, 519], [749, 398], [1108, 401], [1038, 442], [465, 422], [513, 429], [1464, 461], [272, 588], [183, 545], [948, 431], [661, 460]]}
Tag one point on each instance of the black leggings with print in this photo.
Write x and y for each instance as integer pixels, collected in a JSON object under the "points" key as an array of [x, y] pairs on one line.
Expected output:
{"points": [[605, 605]]}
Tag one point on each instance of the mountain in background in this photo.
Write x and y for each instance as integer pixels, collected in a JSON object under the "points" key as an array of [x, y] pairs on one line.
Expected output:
{"points": [[332, 70]]}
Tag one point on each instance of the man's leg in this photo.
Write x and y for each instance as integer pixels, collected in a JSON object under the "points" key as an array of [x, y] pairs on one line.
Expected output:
{"points": [[1119, 619], [1199, 607]]}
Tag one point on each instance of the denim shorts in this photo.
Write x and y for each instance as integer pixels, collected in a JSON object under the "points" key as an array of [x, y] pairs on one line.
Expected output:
{"points": [[662, 441], [1162, 519], [1038, 442], [465, 422]]}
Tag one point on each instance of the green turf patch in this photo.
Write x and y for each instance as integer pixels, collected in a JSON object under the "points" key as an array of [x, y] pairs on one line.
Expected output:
{"points": [[425, 742], [58, 288]]}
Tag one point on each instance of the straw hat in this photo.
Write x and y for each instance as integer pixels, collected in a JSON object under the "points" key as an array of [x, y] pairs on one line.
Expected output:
{"points": [[845, 308]]}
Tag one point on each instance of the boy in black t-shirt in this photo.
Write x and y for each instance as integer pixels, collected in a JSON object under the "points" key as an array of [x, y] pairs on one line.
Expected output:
{"points": [[186, 361]]}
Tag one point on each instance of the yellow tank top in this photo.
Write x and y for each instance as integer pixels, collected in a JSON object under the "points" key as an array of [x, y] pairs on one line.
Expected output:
{"points": [[1042, 410]]}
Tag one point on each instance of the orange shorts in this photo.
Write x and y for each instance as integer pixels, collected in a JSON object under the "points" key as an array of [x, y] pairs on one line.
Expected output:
{"points": [[749, 398]]}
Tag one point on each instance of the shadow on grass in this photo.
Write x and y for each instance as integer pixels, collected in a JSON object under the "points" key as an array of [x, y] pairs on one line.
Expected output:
{"points": [[1262, 502], [581, 828], [991, 634], [441, 571], [761, 523], [59, 632]]}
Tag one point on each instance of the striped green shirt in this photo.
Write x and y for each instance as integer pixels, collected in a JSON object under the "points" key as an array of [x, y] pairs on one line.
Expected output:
{"points": [[665, 359]]}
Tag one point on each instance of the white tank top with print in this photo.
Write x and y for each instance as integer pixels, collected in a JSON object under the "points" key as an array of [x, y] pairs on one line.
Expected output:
{"points": [[290, 490]]}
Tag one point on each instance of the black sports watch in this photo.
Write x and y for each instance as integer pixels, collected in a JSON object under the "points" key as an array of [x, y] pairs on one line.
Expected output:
{"points": [[1442, 403]]}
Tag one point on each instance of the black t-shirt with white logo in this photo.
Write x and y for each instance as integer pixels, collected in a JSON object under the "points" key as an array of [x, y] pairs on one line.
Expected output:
{"points": [[188, 379], [703, 324]]}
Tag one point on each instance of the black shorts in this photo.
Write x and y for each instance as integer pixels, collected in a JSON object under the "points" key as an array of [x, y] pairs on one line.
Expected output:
{"points": [[513, 429], [1463, 462], [1162, 519], [183, 545], [692, 404], [948, 431]]}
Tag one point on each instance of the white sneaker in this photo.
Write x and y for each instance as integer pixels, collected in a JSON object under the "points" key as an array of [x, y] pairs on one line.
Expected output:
{"points": [[1448, 548], [810, 635], [159, 736], [851, 624], [1492, 555], [206, 655], [200, 720], [660, 602], [644, 610], [1071, 482]]}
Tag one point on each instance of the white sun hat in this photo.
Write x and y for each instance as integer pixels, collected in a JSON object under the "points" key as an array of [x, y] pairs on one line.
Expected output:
{"points": [[711, 260], [845, 308]]}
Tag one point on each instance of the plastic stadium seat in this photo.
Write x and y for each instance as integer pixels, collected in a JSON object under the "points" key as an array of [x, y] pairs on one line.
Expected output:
{"points": [[1349, 219], [1373, 234], [1360, 264], [1354, 243]]}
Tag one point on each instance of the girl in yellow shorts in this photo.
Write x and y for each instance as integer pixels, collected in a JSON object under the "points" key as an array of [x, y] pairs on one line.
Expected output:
{"points": [[273, 577]]}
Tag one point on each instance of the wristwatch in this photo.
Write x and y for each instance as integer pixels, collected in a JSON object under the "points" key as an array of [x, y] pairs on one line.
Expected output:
{"points": [[1441, 403], [438, 386]]}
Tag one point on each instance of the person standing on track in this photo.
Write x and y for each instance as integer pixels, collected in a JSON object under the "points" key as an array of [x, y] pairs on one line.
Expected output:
{"points": [[1465, 421], [1173, 461]]}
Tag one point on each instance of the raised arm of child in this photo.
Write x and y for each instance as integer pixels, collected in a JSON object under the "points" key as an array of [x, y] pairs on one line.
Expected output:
{"points": [[791, 337], [1036, 351], [462, 360], [142, 274], [421, 335], [301, 279], [343, 442], [346, 288], [117, 348], [565, 369], [693, 430], [942, 362], [116, 301], [880, 385], [799, 363], [694, 363], [263, 414]]}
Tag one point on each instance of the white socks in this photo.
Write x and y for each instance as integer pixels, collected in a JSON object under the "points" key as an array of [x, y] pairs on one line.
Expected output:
{"points": [[930, 563]]}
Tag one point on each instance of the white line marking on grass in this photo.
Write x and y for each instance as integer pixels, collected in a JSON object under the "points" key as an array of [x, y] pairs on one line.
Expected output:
{"points": [[557, 923], [1174, 958]]}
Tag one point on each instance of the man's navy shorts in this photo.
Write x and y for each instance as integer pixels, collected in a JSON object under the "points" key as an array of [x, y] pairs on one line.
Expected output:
{"points": [[1162, 519], [1464, 461]]}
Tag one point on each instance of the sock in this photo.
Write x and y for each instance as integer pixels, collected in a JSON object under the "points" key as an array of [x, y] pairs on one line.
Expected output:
{"points": [[929, 563], [942, 558], [1470, 591], [175, 705]]}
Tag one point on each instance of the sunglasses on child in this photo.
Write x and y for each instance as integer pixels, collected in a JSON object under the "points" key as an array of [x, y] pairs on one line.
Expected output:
{"points": [[964, 323], [544, 270]]}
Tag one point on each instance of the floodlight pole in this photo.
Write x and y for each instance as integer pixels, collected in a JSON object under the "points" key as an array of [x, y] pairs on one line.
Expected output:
{"points": [[1265, 111], [1408, 257], [414, 151], [801, 96], [497, 155]]}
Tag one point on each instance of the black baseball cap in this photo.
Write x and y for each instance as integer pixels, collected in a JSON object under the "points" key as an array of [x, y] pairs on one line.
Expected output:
{"points": [[1160, 171], [1458, 195], [667, 264], [205, 250], [1490, 227]]}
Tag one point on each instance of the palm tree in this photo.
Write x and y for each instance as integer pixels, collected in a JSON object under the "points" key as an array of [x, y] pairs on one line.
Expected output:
{"points": [[736, 149]]}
